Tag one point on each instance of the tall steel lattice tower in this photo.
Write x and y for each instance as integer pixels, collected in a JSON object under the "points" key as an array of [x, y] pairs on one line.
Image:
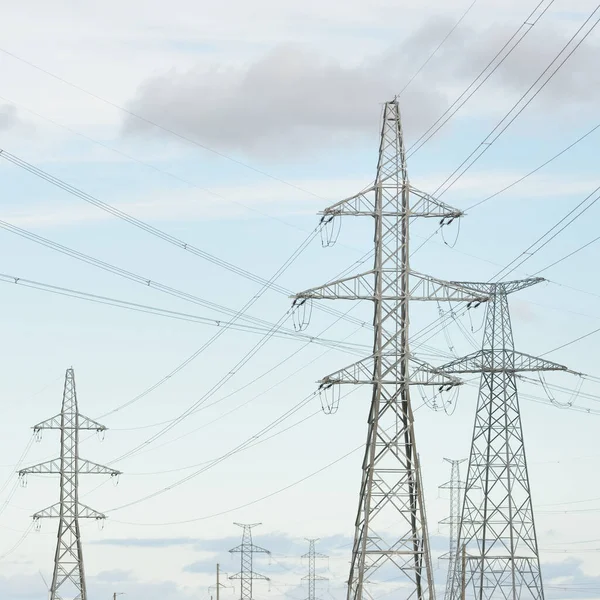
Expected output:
{"points": [[247, 550], [497, 540], [390, 529], [455, 485], [69, 573], [312, 576]]}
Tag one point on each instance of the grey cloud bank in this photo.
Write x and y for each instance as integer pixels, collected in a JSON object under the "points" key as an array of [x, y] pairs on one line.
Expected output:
{"points": [[295, 99]]}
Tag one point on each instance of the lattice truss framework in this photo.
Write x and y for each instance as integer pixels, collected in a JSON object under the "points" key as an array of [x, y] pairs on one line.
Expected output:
{"points": [[69, 573], [390, 540], [455, 485], [312, 576], [247, 549], [497, 530]]}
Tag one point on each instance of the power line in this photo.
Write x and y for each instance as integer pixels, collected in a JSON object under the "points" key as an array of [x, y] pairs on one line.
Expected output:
{"points": [[530, 21], [148, 165], [225, 456], [538, 168], [158, 126], [529, 252], [519, 106], [162, 312], [215, 388], [439, 46]]}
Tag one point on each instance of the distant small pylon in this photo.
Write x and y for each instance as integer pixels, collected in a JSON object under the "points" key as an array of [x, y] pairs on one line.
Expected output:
{"points": [[312, 576], [247, 550], [455, 485], [68, 561]]}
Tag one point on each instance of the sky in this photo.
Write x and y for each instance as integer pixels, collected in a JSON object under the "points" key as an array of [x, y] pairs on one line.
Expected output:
{"points": [[230, 125]]}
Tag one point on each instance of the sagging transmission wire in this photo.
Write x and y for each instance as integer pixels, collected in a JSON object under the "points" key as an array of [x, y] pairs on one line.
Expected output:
{"points": [[162, 312], [534, 171], [438, 47], [215, 388], [497, 60], [288, 413], [155, 231], [237, 449], [542, 241], [221, 513], [180, 136], [546, 76], [235, 392]]}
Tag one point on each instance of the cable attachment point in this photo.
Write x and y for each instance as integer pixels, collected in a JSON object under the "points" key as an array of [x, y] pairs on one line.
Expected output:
{"points": [[23, 479], [329, 395], [474, 304], [330, 230], [301, 313], [38, 435], [446, 387]]}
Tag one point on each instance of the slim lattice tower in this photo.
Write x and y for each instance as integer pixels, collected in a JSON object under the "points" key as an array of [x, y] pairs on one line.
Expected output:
{"points": [[455, 485], [69, 573], [390, 530], [496, 539], [247, 550], [312, 576]]}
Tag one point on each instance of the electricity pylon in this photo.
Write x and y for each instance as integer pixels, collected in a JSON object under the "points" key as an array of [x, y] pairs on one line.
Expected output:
{"points": [[69, 572], [247, 550], [390, 527], [312, 576], [455, 485], [496, 539]]}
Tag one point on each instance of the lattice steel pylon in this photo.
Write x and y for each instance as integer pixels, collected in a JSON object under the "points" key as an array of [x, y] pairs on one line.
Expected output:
{"points": [[69, 572], [312, 576], [390, 527], [497, 539], [455, 485], [247, 549]]}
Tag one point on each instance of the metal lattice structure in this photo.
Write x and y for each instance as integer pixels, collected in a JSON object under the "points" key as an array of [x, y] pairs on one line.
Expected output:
{"points": [[390, 527], [247, 549], [497, 540], [455, 485], [312, 576], [69, 572]]}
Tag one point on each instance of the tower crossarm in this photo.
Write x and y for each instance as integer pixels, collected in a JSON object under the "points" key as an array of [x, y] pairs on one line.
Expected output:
{"points": [[499, 361], [83, 512], [249, 574], [49, 467], [252, 547], [362, 372], [421, 287], [83, 423], [53, 467], [508, 287], [87, 467], [364, 204]]}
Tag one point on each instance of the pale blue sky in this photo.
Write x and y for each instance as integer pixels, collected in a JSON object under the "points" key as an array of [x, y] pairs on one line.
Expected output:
{"points": [[295, 90]]}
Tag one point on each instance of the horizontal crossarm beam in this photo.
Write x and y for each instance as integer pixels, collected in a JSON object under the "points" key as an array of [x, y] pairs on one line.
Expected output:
{"points": [[361, 372], [508, 287], [499, 361], [249, 575], [421, 287], [84, 467], [83, 512], [56, 423], [363, 204]]}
